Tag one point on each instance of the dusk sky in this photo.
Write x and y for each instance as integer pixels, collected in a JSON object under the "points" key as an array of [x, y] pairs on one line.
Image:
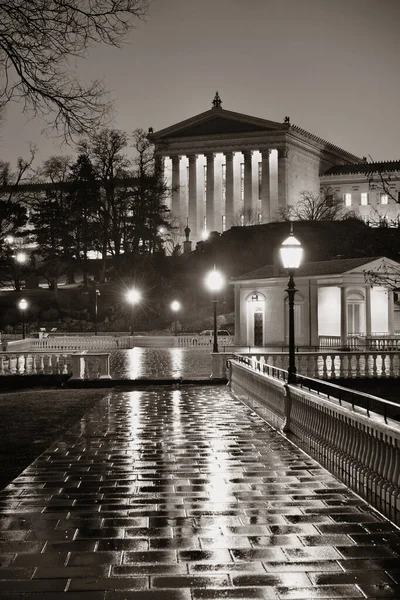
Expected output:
{"points": [[331, 65]]}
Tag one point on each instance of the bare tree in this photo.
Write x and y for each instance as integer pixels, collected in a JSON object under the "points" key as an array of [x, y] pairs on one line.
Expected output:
{"points": [[381, 178], [385, 274], [248, 216], [325, 206], [40, 43]]}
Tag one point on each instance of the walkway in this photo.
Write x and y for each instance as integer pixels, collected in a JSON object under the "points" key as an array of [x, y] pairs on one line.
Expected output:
{"points": [[186, 494], [161, 363]]}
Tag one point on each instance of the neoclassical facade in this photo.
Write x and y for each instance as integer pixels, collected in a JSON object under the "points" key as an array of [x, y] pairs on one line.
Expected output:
{"points": [[333, 300], [227, 168]]}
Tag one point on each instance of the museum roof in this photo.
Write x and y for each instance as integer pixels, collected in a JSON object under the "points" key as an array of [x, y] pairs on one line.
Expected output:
{"points": [[323, 267], [364, 168]]}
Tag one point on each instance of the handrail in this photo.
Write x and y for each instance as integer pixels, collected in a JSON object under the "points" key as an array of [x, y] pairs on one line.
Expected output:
{"points": [[330, 390]]}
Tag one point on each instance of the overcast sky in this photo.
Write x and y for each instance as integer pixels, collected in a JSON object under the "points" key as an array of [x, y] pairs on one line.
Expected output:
{"points": [[331, 65]]}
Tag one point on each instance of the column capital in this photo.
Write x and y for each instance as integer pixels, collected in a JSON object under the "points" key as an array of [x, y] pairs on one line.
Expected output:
{"points": [[229, 155], [247, 154], [265, 152], [209, 155], [283, 152], [192, 157]]}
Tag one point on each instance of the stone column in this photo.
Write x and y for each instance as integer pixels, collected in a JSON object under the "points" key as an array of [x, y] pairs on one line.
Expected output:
{"points": [[238, 324], [390, 312], [229, 198], [265, 187], [192, 209], [176, 193], [248, 185], [282, 177], [343, 317], [210, 206], [367, 310]]}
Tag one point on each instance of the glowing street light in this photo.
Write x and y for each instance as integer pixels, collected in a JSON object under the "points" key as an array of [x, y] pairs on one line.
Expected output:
{"points": [[21, 257], [215, 281], [133, 296], [23, 305], [291, 254], [175, 307]]}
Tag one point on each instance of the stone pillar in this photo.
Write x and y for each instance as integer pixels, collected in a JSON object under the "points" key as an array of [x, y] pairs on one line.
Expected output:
{"points": [[192, 209], [265, 187], [367, 310], [248, 186], [210, 206], [238, 324], [390, 312], [229, 197], [343, 317], [282, 177], [176, 193]]}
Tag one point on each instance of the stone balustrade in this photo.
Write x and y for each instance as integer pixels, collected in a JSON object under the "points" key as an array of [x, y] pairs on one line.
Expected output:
{"points": [[324, 364], [80, 365], [360, 447]]}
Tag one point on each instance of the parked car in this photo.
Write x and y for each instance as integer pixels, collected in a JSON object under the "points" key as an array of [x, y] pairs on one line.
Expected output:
{"points": [[220, 332]]}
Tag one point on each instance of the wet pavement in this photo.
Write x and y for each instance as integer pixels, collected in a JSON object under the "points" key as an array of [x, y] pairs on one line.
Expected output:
{"points": [[161, 363], [186, 494]]}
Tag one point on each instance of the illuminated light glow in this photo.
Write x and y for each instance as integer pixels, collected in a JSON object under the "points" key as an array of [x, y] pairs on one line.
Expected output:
{"points": [[133, 296], [161, 230], [214, 281], [21, 257], [204, 234], [175, 305], [10, 239], [291, 253], [23, 304]]}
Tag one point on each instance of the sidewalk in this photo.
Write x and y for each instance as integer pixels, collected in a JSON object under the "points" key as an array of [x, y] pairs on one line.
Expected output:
{"points": [[186, 494]]}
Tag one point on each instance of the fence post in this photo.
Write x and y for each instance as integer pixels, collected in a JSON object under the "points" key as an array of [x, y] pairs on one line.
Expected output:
{"points": [[287, 409]]}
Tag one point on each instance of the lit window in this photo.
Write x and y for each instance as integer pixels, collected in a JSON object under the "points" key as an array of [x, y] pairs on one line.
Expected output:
{"points": [[223, 222], [205, 182], [259, 217], [364, 198], [242, 220], [384, 198], [347, 199], [242, 181], [259, 178]]}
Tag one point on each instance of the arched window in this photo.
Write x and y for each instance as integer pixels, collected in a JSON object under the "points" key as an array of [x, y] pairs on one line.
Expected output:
{"points": [[355, 312]]}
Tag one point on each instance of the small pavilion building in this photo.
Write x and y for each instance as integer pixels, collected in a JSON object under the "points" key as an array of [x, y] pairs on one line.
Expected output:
{"points": [[333, 302]]}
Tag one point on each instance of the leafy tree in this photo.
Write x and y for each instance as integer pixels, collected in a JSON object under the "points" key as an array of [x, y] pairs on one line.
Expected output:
{"points": [[83, 204], [40, 42], [13, 216], [51, 220]]}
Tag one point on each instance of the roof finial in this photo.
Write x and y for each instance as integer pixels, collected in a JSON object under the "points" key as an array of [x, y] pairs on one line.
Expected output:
{"points": [[217, 102], [287, 120]]}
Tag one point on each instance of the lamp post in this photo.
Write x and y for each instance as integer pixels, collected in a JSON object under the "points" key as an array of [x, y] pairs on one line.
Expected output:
{"points": [[96, 293], [291, 255], [215, 281], [175, 306], [133, 296], [23, 305]]}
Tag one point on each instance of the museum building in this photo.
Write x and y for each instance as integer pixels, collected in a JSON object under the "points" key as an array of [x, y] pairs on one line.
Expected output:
{"points": [[227, 168]]}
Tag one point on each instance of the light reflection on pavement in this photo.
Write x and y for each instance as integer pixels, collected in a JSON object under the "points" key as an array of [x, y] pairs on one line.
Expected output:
{"points": [[161, 363]]}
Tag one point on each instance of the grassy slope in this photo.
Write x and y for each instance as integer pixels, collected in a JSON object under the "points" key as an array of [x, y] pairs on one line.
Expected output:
{"points": [[31, 420]]}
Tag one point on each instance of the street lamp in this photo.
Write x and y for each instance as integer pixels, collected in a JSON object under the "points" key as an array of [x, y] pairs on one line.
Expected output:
{"points": [[175, 306], [291, 255], [133, 296], [215, 281], [96, 293], [23, 305]]}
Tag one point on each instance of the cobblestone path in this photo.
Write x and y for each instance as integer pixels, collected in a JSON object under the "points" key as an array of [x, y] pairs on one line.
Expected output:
{"points": [[186, 494]]}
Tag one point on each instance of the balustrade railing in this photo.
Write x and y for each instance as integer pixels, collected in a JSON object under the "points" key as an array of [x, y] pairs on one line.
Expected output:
{"points": [[331, 365], [359, 446], [80, 365]]}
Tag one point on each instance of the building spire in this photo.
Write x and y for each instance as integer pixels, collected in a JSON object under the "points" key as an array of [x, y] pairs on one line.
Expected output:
{"points": [[217, 102]]}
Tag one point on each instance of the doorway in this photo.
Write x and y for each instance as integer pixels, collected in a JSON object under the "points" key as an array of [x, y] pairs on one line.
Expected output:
{"points": [[258, 328]]}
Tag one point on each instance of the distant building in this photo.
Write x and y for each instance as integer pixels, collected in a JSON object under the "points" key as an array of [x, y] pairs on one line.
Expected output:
{"points": [[227, 168], [333, 301]]}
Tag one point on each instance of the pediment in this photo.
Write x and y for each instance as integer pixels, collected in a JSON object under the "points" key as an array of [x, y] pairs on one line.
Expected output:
{"points": [[218, 121], [381, 265]]}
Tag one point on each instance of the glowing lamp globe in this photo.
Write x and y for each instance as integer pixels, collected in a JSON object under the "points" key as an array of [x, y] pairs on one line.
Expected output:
{"points": [[291, 253], [215, 281], [23, 305], [133, 296], [175, 305]]}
